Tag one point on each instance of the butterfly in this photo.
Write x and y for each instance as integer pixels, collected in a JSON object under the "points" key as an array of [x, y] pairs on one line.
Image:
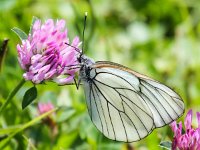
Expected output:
{"points": [[123, 104]]}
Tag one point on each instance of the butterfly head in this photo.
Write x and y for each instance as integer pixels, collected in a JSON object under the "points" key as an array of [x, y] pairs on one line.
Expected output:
{"points": [[84, 60], [85, 63]]}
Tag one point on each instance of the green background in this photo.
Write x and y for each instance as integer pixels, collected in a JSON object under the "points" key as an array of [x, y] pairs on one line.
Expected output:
{"points": [[159, 38]]}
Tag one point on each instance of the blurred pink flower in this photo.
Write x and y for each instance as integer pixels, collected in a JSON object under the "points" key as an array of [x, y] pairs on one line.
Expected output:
{"points": [[49, 120], [190, 140], [45, 107], [45, 56]]}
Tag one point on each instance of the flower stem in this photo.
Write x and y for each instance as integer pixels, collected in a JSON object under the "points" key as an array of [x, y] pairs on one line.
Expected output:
{"points": [[11, 95]]}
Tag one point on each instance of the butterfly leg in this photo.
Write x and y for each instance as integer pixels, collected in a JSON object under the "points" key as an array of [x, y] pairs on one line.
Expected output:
{"points": [[76, 84]]}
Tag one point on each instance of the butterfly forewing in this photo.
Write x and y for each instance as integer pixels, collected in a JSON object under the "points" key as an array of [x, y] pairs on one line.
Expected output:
{"points": [[125, 105]]}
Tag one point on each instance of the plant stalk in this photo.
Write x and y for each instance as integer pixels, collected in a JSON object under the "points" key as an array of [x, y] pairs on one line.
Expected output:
{"points": [[11, 95]]}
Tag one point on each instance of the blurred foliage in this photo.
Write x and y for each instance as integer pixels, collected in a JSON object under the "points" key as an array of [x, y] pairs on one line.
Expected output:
{"points": [[160, 38]]}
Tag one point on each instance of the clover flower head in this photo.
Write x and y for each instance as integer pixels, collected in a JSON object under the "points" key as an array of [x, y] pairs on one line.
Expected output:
{"points": [[190, 140], [44, 55]]}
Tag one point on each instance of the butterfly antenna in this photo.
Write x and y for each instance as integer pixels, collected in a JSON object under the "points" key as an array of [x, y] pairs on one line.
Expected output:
{"points": [[75, 48], [84, 32]]}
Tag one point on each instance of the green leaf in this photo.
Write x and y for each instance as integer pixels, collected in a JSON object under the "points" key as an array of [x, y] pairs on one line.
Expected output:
{"points": [[29, 96], [32, 23], [65, 115], [21, 34], [166, 144]]}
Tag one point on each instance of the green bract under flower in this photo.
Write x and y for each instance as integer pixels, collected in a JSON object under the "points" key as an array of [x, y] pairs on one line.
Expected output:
{"points": [[45, 56]]}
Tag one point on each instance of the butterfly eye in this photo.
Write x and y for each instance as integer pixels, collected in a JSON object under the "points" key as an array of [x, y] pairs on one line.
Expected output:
{"points": [[79, 59]]}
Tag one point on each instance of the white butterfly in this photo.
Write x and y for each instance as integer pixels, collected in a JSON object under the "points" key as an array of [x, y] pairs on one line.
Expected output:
{"points": [[123, 104]]}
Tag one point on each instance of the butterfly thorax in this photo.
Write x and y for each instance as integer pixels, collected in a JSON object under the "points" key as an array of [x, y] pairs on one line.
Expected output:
{"points": [[85, 69]]}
